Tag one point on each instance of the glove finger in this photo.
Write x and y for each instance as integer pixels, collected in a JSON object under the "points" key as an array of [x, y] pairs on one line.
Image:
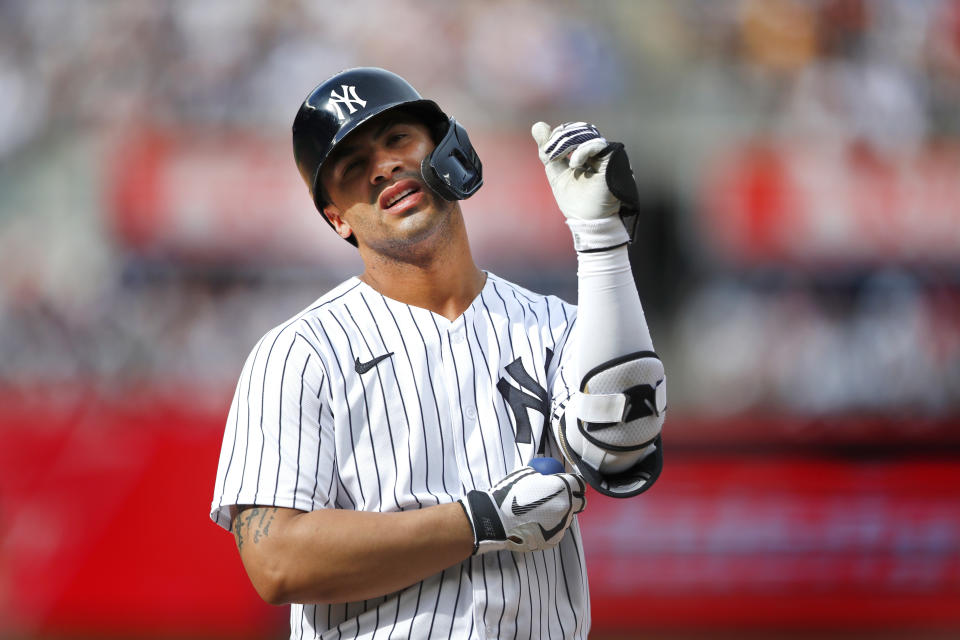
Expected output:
{"points": [[586, 152], [567, 137], [577, 491], [519, 471], [541, 133]]}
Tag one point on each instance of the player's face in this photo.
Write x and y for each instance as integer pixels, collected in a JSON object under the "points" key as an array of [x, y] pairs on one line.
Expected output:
{"points": [[375, 188]]}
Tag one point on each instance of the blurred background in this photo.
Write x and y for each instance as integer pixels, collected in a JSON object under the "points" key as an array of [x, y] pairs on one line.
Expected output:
{"points": [[798, 259]]}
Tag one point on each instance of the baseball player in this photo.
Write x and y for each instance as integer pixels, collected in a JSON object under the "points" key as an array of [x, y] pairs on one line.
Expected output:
{"points": [[385, 465]]}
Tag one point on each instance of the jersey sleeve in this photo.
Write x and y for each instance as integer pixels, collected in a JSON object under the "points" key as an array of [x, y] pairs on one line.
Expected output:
{"points": [[278, 442]]}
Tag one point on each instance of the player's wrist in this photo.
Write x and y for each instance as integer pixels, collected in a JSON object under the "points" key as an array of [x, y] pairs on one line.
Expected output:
{"points": [[598, 235], [473, 529]]}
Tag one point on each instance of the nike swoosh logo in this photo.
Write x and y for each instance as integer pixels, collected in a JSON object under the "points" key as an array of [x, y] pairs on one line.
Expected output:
{"points": [[363, 367], [549, 533], [520, 509], [499, 495]]}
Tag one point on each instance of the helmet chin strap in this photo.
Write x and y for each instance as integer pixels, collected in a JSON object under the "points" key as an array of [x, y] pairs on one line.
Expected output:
{"points": [[453, 170]]}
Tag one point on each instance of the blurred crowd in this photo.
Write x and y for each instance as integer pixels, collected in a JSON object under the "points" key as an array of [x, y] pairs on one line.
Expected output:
{"points": [[682, 82]]}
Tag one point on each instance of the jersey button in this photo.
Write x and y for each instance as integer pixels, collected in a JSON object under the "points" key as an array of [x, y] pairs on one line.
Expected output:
{"points": [[457, 338], [471, 413]]}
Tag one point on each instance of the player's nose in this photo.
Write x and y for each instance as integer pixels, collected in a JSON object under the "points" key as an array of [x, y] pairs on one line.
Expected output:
{"points": [[385, 164]]}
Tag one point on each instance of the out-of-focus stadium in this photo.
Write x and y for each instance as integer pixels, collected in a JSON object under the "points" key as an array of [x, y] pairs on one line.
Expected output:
{"points": [[798, 258]]}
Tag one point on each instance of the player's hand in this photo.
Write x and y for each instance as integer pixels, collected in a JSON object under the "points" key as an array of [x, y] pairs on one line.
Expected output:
{"points": [[591, 181], [525, 511], [575, 157]]}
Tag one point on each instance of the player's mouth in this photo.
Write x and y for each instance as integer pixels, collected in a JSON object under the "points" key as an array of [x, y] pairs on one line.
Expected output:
{"points": [[401, 197]]}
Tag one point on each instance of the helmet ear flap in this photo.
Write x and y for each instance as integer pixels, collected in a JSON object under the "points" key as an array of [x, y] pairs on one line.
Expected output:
{"points": [[453, 169]]}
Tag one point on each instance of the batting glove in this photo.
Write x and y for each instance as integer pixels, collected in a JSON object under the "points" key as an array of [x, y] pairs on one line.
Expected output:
{"points": [[591, 181], [525, 511]]}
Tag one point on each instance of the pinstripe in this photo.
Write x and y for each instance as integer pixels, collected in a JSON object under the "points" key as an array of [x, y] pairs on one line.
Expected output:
{"points": [[416, 608], [351, 419], [516, 572], [413, 376], [263, 391], [386, 414], [433, 617], [453, 618], [524, 560], [316, 483], [559, 558], [572, 532], [506, 313], [466, 457], [501, 402], [366, 409], [403, 404], [533, 358], [283, 373], [235, 409], [456, 374], [246, 444], [492, 384], [566, 586], [436, 403], [503, 593], [486, 590], [296, 482], [544, 614], [533, 354]]}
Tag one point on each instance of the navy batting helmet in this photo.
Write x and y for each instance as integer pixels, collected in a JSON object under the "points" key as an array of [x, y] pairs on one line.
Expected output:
{"points": [[344, 102]]}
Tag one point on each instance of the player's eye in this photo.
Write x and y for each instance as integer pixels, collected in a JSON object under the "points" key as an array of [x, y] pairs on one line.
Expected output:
{"points": [[396, 137], [351, 166]]}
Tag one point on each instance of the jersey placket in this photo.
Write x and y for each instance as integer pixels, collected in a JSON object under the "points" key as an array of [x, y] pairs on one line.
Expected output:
{"points": [[459, 370], [458, 378]]}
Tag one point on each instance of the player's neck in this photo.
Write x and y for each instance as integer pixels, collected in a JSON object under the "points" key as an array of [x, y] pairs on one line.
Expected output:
{"points": [[444, 280]]}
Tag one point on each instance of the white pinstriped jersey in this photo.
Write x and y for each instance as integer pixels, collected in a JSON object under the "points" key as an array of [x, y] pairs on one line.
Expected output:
{"points": [[321, 420]]}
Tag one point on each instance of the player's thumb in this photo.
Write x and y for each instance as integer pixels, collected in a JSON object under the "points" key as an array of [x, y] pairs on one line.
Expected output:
{"points": [[541, 132]]}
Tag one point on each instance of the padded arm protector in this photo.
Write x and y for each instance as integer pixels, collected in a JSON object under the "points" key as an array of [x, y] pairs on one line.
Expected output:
{"points": [[610, 430]]}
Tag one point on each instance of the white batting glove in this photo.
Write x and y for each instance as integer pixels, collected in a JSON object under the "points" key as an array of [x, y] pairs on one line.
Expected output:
{"points": [[525, 511], [577, 158]]}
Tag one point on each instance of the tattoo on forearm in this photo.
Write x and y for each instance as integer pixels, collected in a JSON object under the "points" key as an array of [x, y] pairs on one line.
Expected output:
{"points": [[253, 523]]}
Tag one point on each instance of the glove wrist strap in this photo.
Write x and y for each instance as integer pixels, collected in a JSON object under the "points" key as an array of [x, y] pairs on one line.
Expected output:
{"points": [[597, 235], [484, 518], [466, 511]]}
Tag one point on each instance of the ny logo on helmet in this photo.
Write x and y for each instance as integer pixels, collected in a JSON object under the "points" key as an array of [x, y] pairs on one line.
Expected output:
{"points": [[348, 99]]}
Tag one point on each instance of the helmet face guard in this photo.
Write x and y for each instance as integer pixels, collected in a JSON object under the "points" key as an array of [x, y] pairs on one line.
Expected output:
{"points": [[453, 169], [349, 99]]}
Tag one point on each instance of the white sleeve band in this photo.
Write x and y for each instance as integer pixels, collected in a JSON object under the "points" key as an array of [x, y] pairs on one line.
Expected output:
{"points": [[597, 234]]}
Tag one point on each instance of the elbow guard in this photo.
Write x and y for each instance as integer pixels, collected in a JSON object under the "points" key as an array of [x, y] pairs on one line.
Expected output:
{"points": [[610, 429]]}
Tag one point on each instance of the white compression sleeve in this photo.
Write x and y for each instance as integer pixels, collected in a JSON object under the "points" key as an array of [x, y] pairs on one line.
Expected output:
{"points": [[610, 321]]}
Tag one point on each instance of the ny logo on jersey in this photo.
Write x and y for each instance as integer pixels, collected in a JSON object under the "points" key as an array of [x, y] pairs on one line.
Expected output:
{"points": [[519, 401], [348, 99]]}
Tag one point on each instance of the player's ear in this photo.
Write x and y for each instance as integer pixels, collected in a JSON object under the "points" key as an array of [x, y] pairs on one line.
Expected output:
{"points": [[335, 216]]}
